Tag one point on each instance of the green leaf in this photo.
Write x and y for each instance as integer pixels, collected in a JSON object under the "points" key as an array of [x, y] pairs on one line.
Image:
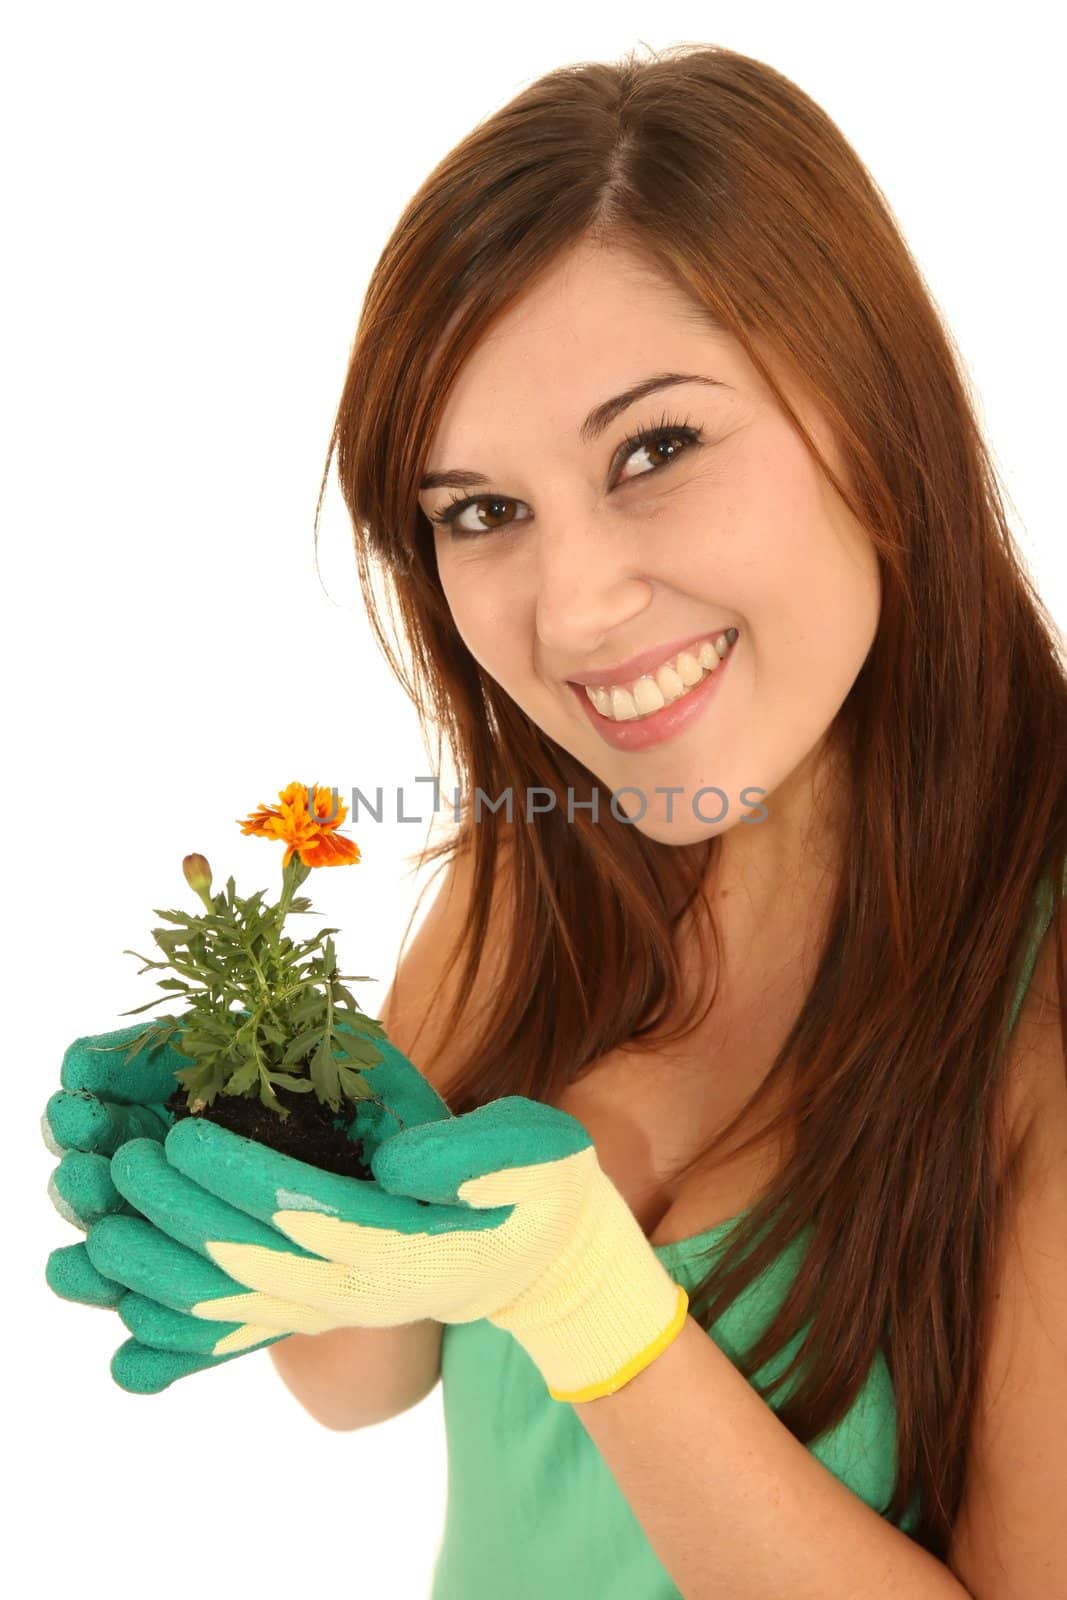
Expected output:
{"points": [[287, 1081], [300, 1045], [195, 1078], [132, 1046], [324, 1076], [217, 1026], [349, 1051], [168, 1028], [197, 1042], [242, 1079], [370, 1027], [215, 922], [271, 1101], [148, 961], [306, 1008], [357, 1025], [355, 1087], [136, 1010]]}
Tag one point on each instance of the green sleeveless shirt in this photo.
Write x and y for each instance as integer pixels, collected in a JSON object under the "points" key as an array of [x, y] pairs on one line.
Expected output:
{"points": [[533, 1513]]}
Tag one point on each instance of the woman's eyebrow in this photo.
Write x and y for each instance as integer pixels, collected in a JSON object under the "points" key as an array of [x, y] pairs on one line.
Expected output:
{"points": [[601, 417]]}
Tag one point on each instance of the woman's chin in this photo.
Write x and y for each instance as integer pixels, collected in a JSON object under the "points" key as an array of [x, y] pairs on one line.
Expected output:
{"points": [[681, 829]]}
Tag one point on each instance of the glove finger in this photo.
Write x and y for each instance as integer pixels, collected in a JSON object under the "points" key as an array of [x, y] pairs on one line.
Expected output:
{"points": [[76, 1119], [183, 1208], [97, 1062], [135, 1253], [139, 1369], [186, 1210], [164, 1329], [81, 1189], [71, 1275], [511, 1139], [407, 1094], [276, 1187]]}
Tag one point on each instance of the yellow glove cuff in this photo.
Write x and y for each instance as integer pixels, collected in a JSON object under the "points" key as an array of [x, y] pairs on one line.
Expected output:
{"points": [[605, 1308]]}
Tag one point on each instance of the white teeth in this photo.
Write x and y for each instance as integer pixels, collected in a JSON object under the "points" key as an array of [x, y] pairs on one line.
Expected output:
{"points": [[648, 696], [670, 684], [651, 693], [622, 705], [689, 669]]}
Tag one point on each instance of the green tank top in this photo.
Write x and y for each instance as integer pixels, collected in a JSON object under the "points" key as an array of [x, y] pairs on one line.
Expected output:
{"points": [[532, 1509]]}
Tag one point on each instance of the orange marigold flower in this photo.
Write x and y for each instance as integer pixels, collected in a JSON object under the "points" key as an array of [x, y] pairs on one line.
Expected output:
{"points": [[306, 833]]}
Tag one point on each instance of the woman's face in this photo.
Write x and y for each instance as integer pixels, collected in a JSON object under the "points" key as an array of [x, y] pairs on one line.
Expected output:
{"points": [[577, 553]]}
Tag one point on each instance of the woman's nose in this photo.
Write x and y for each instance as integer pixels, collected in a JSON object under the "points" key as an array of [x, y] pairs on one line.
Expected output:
{"points": [[589, 586]]}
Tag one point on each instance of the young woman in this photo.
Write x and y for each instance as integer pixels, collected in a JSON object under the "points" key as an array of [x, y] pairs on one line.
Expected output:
{"points": [[888, 732], [703, 572]]}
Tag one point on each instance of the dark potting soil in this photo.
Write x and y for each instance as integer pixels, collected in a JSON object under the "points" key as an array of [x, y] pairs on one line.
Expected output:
{"points": [[308, 1133]]}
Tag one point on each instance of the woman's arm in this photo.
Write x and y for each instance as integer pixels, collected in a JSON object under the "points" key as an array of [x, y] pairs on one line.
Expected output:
{"points": [[1009, 1540], [355, 1377], [737, 1506]]}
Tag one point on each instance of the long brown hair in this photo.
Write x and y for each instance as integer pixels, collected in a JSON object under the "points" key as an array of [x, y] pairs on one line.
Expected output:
{"points": [[727, 177]]}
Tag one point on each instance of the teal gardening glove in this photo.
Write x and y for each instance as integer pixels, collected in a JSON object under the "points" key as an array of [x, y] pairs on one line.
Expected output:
{"points": [[519, 1224], [103, 1103]]}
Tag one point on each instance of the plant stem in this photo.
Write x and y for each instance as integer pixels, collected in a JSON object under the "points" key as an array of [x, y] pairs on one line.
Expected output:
{"points": [[292, 877]]}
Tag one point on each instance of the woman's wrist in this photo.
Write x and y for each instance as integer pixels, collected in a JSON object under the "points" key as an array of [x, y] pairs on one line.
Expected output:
{"points": [[607, 1308]]}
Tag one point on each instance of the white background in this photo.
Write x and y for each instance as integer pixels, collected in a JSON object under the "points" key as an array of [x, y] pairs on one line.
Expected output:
{"points": [[193, 199]]}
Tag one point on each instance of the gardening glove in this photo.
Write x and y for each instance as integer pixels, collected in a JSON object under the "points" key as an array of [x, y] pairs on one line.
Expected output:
{"points": [[522, 1227], [103, 1102], [169, 1344]]}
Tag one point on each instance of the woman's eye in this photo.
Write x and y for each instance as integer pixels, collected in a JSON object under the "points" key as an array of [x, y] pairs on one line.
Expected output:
{"points": [[677, 437], [456, 508], [651, 444]]}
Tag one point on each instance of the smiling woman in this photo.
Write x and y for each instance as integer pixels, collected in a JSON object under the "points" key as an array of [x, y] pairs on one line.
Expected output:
{"points": [[617, 554], [655, 323]]}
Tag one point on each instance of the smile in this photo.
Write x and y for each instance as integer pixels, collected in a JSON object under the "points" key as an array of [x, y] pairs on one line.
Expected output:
{"points": [[681, 702], [671, 681]]}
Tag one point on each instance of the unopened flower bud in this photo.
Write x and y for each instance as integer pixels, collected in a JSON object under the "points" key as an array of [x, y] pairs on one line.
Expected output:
{"points": [[197, 873]]}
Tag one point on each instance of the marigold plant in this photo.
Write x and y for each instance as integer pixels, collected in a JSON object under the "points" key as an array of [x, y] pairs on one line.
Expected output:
{"points": [[262, 1010]]}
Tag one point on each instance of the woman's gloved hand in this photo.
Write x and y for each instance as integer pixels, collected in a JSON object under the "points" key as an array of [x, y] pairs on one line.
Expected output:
{"points": [[103, 1101], [519, 1224], [87, 1119]]}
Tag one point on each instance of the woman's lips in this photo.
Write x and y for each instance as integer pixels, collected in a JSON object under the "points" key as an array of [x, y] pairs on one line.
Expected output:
{"points": [[640, 732]]}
